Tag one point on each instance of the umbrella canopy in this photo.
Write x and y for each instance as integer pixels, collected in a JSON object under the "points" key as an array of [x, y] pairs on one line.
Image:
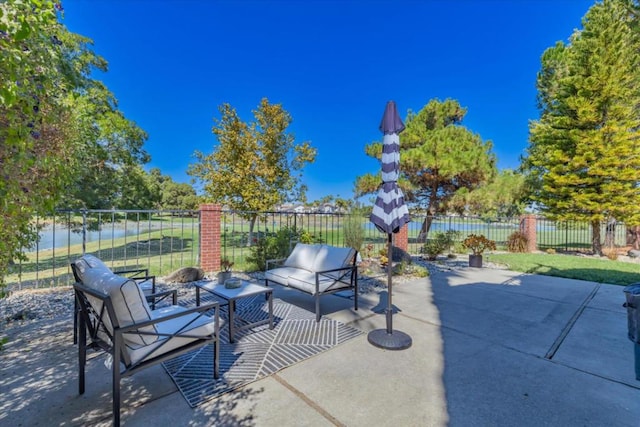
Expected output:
{"points": [[389, 215], [389, 212]]}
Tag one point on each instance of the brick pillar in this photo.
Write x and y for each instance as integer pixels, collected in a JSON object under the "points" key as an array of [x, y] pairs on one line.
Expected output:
{"points": [[210, 215], [401, 238], [528, 228]]}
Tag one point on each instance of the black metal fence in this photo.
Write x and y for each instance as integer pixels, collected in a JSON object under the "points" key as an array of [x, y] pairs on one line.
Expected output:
{"points": [[164, 241]]}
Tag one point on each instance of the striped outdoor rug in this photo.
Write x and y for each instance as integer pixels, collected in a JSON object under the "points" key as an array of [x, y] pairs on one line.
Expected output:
{"points": [[257, 352]]}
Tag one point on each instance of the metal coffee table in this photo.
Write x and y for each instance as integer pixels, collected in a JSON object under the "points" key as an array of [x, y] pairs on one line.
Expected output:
{"points": [[246, 289]]}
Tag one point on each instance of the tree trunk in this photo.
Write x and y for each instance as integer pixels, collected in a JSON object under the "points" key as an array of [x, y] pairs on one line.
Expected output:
{"points": [[424, 230], [252, 223], [633, 237], [610, 234], [595, 238], [426, 224]]}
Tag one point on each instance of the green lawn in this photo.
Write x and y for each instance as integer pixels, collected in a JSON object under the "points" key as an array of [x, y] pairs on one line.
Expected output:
{"points": [[600, 270]]}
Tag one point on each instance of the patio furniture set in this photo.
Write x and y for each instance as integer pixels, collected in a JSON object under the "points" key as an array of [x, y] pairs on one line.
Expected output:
{"points": [[122, 316]]}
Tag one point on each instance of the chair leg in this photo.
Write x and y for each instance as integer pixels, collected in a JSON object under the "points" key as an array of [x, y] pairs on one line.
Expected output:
{"points": [[76, 313], [116, 383], [317, 307], [82, 354], [216, 359], [355, 292]]}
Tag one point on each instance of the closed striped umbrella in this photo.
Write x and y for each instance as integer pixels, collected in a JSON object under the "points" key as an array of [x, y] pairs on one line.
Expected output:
{"points": [[389, 212], [389, 215]]}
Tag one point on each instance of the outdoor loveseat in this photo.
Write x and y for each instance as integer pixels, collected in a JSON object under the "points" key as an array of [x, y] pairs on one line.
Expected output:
{"points": [[114, 316], [316, 270]]}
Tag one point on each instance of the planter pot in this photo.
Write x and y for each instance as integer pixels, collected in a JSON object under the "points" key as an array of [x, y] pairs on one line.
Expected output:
{"points": [[475, 261], [223, 276]]}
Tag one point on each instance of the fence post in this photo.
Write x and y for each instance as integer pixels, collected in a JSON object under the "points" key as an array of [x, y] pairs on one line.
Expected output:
{"points": [[210, 250], [402, 238], [528, 228]]}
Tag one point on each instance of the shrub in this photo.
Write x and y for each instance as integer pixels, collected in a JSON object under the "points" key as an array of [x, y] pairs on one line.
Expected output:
{"points": [[611, 253], [277, 245], [353, 232], [436, 245], [517, 242], [452, 237], [478, 243]]}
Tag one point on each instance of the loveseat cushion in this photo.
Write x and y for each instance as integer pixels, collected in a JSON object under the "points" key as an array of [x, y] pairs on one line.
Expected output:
{"points": [[302, 256], [200, 328], [306, 281], [129, 302], [331, 257], [281, 274]]}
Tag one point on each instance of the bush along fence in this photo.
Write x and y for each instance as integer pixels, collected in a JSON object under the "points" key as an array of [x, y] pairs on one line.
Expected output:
{"points": [[164, 241]]}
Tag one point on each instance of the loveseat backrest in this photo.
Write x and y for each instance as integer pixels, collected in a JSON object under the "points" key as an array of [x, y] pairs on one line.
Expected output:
{"points": [[319, 257], [331, 257], [302, 256]]}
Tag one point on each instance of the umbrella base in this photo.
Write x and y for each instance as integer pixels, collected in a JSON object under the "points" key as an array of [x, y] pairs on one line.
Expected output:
{"points": [[395, 340]]}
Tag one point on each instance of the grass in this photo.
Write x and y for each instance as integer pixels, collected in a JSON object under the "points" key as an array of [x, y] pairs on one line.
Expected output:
{"points": [[571, 267]]}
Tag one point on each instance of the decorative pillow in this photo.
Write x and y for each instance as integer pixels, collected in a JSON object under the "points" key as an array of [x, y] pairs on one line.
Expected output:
{"points": [[302, 256]]}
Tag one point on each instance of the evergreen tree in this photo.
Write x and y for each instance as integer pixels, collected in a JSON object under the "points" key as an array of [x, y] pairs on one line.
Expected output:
{"points": [[584, 152], [438, 157]]}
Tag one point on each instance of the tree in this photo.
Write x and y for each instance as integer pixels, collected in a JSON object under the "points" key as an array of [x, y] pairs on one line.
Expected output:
{"points": [[502, 197], [36, 158], [112, 150], [52, 115], [584, 156], [439, 157], [256, 165], [179, 196]]}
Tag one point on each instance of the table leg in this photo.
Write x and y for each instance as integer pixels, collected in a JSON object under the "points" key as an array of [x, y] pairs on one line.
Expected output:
{"points": [[197, 296], [232, 309], [270, 296]]}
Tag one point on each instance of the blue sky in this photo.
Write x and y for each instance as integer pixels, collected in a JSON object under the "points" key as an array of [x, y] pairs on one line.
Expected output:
{"points": [[333, 65]]}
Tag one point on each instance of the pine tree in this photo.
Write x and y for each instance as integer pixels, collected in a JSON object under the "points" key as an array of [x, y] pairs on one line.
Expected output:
{"points": [[584, 152]]}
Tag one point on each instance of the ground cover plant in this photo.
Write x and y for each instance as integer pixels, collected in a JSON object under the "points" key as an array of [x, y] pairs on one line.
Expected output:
{"points": [[571, 266]]}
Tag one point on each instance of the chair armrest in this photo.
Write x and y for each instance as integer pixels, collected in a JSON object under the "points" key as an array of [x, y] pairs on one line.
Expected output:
{"points": [[277, 261], [201, 309], [349, 267], [145, 271], [161, 296]]}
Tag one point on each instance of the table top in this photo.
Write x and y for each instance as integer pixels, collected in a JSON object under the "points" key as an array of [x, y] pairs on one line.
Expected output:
{"points": [[246, 289]]}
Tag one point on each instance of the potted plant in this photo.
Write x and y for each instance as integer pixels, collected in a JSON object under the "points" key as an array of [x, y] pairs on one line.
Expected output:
{"points": [[225, 272], [477, 243]]}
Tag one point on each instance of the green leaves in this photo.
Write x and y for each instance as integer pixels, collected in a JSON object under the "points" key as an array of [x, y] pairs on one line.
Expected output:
{"points": [[583, 151], [255, 165]]}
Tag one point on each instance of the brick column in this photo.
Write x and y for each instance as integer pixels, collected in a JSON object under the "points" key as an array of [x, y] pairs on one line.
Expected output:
{"points": [[401, 238], [210, 252], [528, 228]]}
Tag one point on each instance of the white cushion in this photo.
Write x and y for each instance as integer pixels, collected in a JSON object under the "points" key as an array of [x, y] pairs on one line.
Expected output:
{"points": [[89, 262], [129, 302], [281, 275], [330, 257], [202, 327], [306, 281], [302, 256]]}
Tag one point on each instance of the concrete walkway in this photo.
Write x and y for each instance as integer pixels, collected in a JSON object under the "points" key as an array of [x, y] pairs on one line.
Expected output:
{"points": [[490, 348]]}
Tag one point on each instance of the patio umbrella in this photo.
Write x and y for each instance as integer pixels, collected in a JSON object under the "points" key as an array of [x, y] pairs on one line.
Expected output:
{"points": [[389, 215]]}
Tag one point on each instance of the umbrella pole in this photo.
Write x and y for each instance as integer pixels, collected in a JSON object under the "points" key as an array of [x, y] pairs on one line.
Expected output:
{"points": [[389, 285], [388, 338]]}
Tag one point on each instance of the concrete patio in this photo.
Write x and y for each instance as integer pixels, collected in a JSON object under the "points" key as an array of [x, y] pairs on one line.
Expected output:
{"points": [[490, 347]]}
